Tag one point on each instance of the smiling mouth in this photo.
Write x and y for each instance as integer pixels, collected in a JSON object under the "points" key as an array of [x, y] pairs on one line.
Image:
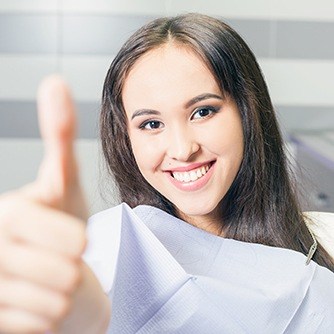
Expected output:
{"points": [[192, 175]]}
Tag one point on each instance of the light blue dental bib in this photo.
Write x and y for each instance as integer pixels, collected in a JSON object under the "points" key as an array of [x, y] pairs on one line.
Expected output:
{"points": [[172, 277]]}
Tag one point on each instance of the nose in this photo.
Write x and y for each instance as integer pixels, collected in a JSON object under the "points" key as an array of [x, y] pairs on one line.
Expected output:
{"points": [[182, 144]]}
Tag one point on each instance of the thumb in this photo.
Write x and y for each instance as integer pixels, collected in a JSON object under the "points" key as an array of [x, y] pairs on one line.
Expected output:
{"points": [[58, 183]]}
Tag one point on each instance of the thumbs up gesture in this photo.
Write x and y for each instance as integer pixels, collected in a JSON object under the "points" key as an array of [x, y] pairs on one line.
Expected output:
{"points": [[42, 228]]}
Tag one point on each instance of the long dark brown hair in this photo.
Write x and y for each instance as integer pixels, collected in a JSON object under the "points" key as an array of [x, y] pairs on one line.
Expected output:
{"points": [[261, 205]]}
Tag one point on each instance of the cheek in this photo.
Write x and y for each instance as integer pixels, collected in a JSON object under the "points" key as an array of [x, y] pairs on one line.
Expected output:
{"points": [[225, 140], [147, 154], [228, 145]]}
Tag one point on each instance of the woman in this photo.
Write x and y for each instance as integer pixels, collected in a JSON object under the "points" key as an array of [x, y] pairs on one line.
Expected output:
{"points": [[260, 205], [187, 95], [189, 132]]}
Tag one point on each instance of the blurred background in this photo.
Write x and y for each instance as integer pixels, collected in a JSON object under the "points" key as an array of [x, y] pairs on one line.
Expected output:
{"points": [[293, 41]]}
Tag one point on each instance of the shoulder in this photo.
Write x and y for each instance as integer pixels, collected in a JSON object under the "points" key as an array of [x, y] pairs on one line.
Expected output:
{"points": [[322, 225], [103, 225], [103, 234]]}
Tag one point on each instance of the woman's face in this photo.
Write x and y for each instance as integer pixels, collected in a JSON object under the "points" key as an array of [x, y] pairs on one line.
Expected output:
{"points": [[186, 136]]}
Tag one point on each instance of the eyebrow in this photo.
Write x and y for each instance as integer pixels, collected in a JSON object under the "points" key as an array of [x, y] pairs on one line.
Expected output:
{"points": [[202, 97], [205, 96], [142, 112]]}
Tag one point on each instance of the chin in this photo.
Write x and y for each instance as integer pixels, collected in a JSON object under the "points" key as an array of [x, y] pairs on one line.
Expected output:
{"points": [[197, 212]]}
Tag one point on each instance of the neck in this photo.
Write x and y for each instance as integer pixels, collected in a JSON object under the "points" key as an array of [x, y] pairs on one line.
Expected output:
{"points": [[209, 223]]}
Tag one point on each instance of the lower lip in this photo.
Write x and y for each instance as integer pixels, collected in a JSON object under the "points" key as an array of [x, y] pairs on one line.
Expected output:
{"points": [[193, 185]]}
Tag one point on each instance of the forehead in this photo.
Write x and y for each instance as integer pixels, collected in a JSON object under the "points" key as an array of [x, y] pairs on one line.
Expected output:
{"points": [[171, 52], [169, 71]]}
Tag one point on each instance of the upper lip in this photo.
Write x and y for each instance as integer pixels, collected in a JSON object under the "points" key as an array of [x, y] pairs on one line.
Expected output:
{"points": [[189, 167]]}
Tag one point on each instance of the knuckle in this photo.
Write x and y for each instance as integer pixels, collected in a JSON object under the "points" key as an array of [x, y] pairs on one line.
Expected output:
{"points": [[11, 208], [3, 290], [73, 278], [82, 240], [61, 308], [8, 209], [16, 321], [79, 240], [6, 252]]}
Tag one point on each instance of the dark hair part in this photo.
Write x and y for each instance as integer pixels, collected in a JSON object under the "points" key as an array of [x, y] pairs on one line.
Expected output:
{"points": [[260, 206]]}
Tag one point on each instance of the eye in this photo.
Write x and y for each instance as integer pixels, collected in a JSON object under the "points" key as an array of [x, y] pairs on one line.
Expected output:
{"points": [[203, 112], [151, 125]]}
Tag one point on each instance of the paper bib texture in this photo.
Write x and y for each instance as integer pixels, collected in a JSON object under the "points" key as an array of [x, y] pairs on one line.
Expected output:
{"points": [[171, 277]]}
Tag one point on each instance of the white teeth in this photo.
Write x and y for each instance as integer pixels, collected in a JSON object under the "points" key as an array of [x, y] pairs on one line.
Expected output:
{"points": [[186, 177], [192, 175]]}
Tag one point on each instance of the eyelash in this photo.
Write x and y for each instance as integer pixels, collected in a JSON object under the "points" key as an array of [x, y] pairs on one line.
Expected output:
{"points": [[144, 125], [212, 110]]}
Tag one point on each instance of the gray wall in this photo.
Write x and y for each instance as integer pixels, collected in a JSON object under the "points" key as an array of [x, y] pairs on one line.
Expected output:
{"points": [[293, 41]]}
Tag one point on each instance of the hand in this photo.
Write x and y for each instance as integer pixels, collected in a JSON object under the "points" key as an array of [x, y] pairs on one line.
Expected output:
{"points": [[42, 229]]}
